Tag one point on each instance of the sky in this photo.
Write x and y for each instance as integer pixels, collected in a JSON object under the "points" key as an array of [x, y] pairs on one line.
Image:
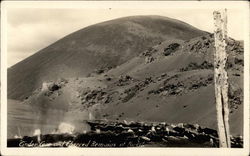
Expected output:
{"points": [[30, 30]]}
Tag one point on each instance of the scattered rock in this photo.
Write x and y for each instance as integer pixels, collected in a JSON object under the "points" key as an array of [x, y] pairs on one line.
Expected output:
{"points": [[171, 49], [99, 71], [133, 134], [148, 52], [195, 66], [54, 87], [235, 46], [200, 46], [149, 59], [170, 89], [145, 138], [132, 91], [130, 131], [92, 97], [124, 80], [239, 61], [235, 95], [236, 74], [108, 78]]}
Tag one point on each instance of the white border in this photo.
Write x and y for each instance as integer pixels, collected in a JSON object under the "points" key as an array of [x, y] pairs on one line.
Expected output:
{"points": [[121, 151]]}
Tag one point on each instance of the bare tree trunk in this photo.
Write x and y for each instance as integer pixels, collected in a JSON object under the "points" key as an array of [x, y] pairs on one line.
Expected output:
{"points": [[221, 78]]}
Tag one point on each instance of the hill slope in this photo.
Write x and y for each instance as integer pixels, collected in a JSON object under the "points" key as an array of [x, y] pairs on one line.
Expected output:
{"points": [[170, 82], [100, 46]]}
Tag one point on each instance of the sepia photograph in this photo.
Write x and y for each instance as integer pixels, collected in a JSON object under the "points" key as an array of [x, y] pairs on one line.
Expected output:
{"points": [[129, 75]]}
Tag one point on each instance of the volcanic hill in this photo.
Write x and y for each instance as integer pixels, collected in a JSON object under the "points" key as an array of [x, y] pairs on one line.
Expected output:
{"points": [[104, 45], [142, 68]]}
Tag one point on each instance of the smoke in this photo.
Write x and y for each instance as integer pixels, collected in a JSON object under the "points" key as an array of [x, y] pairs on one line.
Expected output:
{"points": [[37, 133], [66, 128]]}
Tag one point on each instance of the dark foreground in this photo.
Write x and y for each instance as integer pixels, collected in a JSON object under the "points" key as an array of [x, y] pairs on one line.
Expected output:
{"points": [[133, 134]]}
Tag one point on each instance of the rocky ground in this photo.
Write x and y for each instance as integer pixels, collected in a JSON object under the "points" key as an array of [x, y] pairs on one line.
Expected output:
{"points": [[130, 134]]}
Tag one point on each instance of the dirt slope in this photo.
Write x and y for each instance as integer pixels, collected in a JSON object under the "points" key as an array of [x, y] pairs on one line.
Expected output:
{"points": [[171, 82]]}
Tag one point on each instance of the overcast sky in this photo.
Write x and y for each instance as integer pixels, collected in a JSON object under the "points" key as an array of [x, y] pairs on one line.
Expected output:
{"points": [[30, 30]]}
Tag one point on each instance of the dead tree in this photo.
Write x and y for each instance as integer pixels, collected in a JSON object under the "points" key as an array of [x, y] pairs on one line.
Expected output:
{"points": [[221, 78]]}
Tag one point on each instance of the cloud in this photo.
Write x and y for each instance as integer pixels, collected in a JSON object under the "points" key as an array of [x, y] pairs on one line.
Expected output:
{"points": [[30, 30]]}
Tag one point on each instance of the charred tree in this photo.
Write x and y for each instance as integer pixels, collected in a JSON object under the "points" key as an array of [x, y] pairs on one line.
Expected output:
{"points": [[221, 77]]}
